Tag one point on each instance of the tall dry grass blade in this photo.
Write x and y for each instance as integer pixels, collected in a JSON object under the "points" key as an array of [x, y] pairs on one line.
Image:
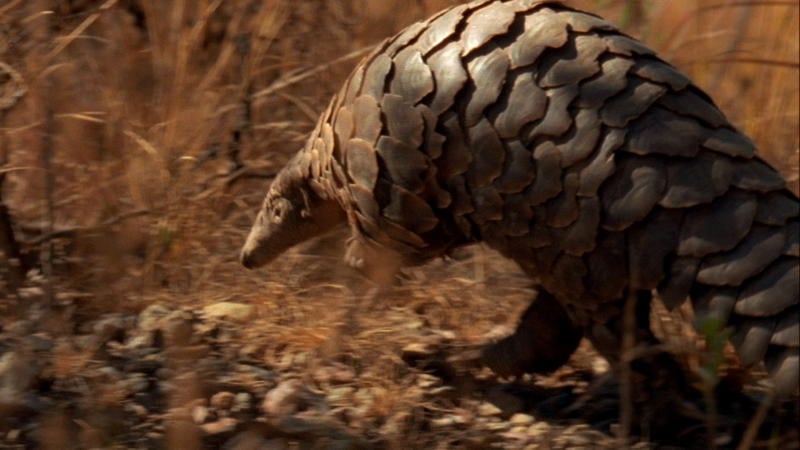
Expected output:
{"points": [[80, 116], [714, 6], [68, 39], [9, 6], [740, 31]]}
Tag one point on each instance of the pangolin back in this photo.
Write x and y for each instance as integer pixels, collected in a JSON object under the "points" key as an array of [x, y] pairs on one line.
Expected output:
{"points": [[573, 149]]}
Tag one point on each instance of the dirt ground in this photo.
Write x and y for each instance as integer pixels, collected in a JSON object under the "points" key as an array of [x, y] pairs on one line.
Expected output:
{"points": [[137, 139]]}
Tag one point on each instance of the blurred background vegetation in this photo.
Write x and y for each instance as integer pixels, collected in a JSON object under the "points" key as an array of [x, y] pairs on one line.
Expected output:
{"points": [[137, 137]]}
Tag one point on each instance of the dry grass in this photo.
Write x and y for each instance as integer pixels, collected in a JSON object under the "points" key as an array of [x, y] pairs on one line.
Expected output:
{"points": [[137, 115]]}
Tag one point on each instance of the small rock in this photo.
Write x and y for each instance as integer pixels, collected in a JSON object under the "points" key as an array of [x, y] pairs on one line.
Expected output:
{"points": [[137, 409], [140, 340], [427, 381], [580, 435], [154, 435], [223, 400], [200, 414], [443, 391], [497, 426], [33, 291], [150, 317], [416, 351], [166, 387], [177, 327], [450, 420], [335, 374], [136, 382], [443, 422], [274, 444], [224, 425], [498, 332], [113, 327], [178, 414], [301, 358], [18, 372], [284, 399], [251, 440], [40, 342], [539, 429], [445, 335], [340, 396], [364, 397], [258, 372], [13, 435], [397, 424], [230, 310], [578, 428], [109, 372], [242, 402], [519, 430], [489, 409], [206, 329], [380, 394], [721, 440], [164, 373], [251, 351], [600, 366], [521, 419], [88, 342]]}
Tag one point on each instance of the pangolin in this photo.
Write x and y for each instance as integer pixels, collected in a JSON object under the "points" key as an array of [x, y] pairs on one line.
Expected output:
{"points": [[572, 149]]}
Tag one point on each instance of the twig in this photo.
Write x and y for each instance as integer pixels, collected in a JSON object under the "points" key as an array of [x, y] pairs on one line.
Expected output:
{"points": [[15, 94], [626, 378], [755, 423], [300, 76], [760, 61], [71, 231], [47, 151]]}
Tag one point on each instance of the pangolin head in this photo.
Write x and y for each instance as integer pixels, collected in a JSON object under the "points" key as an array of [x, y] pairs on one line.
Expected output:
{"points": [[292, 213]]}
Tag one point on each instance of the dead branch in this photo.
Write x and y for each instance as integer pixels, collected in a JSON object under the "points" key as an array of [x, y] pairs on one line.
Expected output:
{"points": [[250, 172]]}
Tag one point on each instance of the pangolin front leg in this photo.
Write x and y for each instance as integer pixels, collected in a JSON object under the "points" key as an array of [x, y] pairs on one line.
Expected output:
{"points": [[543, 341]]}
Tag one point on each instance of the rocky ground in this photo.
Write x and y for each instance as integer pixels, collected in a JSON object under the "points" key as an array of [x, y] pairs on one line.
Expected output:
{"points": [[240, 374]]}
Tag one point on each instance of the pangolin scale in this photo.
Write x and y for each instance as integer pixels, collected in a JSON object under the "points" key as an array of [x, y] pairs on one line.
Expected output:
{"points": [[570, 148]]}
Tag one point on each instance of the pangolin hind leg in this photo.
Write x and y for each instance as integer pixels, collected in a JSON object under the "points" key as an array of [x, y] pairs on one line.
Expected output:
{"points": [[651, 379]]}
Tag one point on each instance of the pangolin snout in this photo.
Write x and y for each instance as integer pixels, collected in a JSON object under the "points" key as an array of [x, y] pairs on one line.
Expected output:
{"points": [[253, 253], [246, 258]]}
